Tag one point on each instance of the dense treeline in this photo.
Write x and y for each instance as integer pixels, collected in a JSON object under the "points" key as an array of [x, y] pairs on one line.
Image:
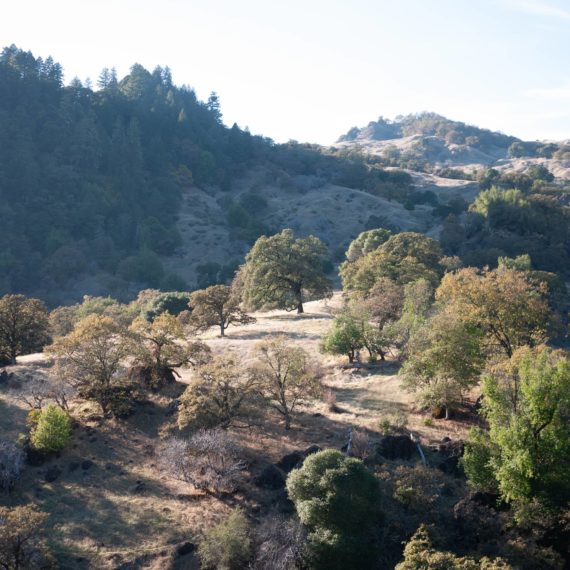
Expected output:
{"points": [[91, 180]]}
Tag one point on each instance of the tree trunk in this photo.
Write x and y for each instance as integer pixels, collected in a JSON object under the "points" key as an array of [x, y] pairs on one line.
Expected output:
{"points": [[446, 412], [222, 329], [287, 421], [351, 357], [300, 308]]}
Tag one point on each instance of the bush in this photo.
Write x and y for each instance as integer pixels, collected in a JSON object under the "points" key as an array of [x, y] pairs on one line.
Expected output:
{"points": [[11, 464], [393, 423], [51, 430], [337, 499], [227, 546], [280, 543], [210, 460]]}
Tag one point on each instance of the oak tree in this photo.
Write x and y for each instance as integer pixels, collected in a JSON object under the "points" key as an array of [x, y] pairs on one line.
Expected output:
{"points": [[283, 271], [216, 306]]}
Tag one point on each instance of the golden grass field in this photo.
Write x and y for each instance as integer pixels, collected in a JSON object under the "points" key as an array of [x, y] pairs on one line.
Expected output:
{"points": [[123, 510]]}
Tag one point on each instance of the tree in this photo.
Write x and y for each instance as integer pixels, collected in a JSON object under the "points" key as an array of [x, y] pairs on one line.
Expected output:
{"points": [[444, 360], [285, 376], [22, 542], [160, 347], [90, 357], [172, 302], [418, 299], [505, 304], [403, 258], [221, 394], [337, 499], [51, 429], [210, 460], [527, 447], [216, 306], [282, 271], [344, 337], [24, 326]]}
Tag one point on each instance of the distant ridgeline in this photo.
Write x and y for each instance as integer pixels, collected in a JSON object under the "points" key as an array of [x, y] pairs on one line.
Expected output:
{"points": [[432, 124], [91, 180]]}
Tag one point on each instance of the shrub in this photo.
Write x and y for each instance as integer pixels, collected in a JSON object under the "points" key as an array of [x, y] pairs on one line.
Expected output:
{"points": [[210, 460], [393, 423], [360, 444], [337, 499], [22, 545], [228, 545], [11, 464], [51, 430], [280, 543]]}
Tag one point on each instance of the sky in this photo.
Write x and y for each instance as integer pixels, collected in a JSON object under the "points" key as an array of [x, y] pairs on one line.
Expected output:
{"points": [[309, 70]]}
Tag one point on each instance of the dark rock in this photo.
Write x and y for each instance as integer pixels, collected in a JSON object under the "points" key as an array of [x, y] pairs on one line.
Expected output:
{"points": [[288, 462], [185, 548], [52, 474], [86, 464], [73, 466], [311, 449], [110, 467], [397, 447], [271, 478], [317, 415]]}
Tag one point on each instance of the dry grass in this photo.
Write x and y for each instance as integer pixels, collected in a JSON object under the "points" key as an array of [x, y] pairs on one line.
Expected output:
{"points": [[123, 509]]}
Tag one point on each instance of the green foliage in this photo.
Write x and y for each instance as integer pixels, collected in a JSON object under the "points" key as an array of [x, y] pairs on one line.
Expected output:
{"points": [[345, 337], [227, 545], [403, 258], [420, 554], [366, 242], [24, 327], [445, 359], [529, 434], [337, 498], [476, 460], [172, 302], [51, 430], [283, 271]]}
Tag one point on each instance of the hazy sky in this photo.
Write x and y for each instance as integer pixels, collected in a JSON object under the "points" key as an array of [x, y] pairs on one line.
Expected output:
{"points": [[310, 69]]}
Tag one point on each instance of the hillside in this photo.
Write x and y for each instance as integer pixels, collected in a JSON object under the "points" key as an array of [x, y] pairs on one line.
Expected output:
{"points": [[110, 504], [138, 184]]}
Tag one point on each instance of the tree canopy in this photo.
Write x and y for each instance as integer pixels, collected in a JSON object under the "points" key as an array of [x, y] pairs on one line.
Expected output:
{"points": [[283, 271]]}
